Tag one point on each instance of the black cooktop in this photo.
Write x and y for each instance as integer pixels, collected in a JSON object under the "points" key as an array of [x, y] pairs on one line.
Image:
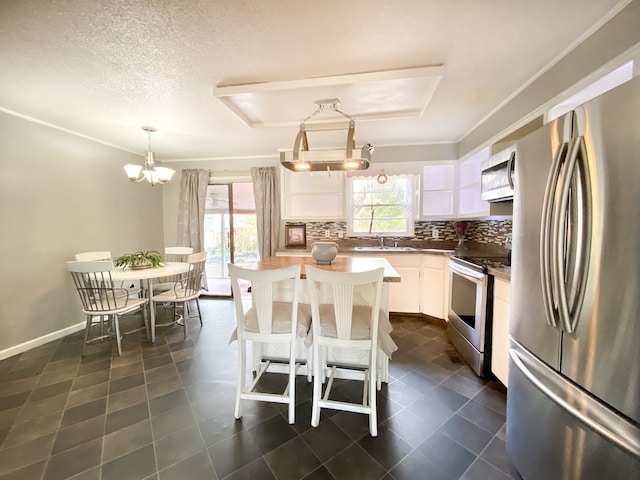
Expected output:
{"points": [[482, 264]]}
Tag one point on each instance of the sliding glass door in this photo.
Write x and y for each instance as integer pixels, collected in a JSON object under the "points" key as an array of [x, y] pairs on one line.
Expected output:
{"points": [[230, 232]]}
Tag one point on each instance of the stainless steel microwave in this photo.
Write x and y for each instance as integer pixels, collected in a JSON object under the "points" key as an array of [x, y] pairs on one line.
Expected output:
{"points": [[497, 176]]}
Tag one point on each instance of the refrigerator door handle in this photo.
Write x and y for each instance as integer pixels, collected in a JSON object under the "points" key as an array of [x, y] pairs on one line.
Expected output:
{"points": [[577, 403], [571, 224], [581, 217], [546, 234]]}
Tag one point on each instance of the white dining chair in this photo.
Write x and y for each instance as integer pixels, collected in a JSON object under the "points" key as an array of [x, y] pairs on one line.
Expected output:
{"points": [[90, 256], [185, 290], [132, 290], [171, 254], [338, 323], [102, 302], [266, 320]]}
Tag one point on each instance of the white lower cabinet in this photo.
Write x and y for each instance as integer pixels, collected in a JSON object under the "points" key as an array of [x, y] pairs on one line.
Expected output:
{"points": [[500, 340], [404, 297], [424, 285], [434, 286]]}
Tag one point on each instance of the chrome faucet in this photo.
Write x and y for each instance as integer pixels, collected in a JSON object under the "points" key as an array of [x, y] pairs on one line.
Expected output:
{"points": [[380, 240]]}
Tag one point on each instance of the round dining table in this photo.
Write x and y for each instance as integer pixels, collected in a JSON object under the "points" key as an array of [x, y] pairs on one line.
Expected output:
{"points": [[167, 269]]}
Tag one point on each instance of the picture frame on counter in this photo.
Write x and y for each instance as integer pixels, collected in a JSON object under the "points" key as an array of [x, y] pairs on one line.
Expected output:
{"points": [[295, 235]]}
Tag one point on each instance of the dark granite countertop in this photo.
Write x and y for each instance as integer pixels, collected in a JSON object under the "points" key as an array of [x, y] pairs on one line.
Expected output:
{"points": [[372, 250], [414, 248], [502, 272]]}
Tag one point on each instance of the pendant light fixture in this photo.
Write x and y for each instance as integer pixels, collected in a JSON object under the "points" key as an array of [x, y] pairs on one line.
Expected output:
{"points": [[303, 160], [149, 171]]}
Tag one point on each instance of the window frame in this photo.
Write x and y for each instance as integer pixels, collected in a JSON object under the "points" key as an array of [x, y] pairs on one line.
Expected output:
{"points": [[409, 204]]}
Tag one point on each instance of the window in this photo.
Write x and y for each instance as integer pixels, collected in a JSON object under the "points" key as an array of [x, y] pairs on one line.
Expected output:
{"points": [[230, 232], [384, 209]]}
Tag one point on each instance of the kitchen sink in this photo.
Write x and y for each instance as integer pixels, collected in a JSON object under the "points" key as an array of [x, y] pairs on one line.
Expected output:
{"points": [[384, 249]]}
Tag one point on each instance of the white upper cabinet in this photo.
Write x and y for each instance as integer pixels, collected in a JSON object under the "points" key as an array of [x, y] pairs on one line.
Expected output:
{"points": [[316, 195], [453, 189], [439, 190], [470, 203]]}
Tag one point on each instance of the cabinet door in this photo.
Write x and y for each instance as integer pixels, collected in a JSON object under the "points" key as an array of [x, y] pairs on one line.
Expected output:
{"points": [[310, 206], [438, 190], [433, 286], [500, 339], [470, 203], [307, 197], [439, 176], [438, 204], [404, 297]]}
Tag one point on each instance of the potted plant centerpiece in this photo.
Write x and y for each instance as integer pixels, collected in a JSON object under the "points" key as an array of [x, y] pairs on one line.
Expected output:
{"points": [[139, 260]]}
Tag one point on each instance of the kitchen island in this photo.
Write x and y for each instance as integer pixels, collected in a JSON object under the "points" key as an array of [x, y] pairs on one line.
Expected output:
{"points": [[339, 264]]}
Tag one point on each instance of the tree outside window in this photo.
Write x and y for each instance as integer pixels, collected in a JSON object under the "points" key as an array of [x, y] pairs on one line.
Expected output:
{"points": [[382, 209]]}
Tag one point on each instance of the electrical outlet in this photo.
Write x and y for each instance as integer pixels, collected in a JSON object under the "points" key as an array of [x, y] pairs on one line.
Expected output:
{"points": [[340, 234], [327, 233], [435, 233]]}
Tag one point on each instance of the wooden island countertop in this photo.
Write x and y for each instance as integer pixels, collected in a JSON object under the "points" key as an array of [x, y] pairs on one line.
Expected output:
{"points": [[339, 264]]}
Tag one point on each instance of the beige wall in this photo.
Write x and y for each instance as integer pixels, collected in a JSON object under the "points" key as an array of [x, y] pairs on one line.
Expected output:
{"points": [[617, 36], [61, 194]]}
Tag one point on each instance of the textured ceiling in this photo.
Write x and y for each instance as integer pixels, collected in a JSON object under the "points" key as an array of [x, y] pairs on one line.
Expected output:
{"points": [[105, 68]]}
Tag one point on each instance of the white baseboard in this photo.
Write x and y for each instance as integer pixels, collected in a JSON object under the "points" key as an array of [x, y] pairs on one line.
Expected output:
{"points": [[36, 342]]}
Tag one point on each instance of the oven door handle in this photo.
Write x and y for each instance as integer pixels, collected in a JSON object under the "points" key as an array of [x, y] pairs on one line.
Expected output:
{"points": [[466, 272]]}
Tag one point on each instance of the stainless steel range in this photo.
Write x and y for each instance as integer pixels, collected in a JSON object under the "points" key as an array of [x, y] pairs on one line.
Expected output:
{"points": [[471, 309]]}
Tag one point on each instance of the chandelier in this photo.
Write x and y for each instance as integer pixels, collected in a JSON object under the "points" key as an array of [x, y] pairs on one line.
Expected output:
{"points": [[149, 171], [303, 160]]}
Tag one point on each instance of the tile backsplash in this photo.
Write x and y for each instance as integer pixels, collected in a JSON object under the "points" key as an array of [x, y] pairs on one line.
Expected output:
{"points": [[478, 231]]}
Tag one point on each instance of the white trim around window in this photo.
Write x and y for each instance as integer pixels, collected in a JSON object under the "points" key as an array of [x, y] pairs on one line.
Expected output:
{"points": [[387, 209]]}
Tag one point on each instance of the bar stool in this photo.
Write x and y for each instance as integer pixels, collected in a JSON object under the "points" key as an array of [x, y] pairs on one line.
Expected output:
{"points": [[341, 324], [267, 321]]}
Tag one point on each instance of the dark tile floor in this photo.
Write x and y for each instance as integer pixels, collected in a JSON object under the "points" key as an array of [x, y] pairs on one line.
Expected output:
{"points": [[165, 411]]}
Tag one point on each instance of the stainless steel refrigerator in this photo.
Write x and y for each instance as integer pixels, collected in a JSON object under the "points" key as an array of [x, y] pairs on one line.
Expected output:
{"points": [[573, 403]]}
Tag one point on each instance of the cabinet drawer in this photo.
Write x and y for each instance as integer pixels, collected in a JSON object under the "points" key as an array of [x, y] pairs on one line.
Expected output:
{"points": [[434, 261], [502, 289]]}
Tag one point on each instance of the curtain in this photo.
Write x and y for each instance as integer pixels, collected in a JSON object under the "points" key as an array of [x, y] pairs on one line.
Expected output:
{"points": [[191, 206], [267, 197]]}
